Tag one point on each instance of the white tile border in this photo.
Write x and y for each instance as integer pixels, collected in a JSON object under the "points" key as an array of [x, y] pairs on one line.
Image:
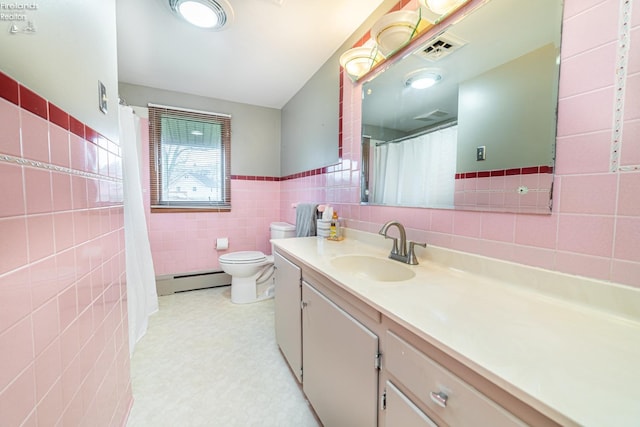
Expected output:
{"points": [[624, 39], [5, 158]]}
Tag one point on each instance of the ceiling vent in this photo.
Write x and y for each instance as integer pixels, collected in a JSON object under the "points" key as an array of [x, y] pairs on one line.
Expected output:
{"points": [[441, 46], [432, 116]]}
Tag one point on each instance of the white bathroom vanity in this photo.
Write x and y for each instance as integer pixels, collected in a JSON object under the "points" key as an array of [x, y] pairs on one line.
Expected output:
{"points": [[458, 340]]}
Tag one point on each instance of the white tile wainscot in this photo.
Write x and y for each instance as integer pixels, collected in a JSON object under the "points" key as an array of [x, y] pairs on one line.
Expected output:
{"points": [[566, 346]]}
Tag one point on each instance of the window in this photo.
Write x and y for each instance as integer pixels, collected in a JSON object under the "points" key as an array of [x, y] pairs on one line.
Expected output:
{"points": [[189, 150]]}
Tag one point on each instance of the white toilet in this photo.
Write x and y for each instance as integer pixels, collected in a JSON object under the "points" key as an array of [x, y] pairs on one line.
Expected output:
{"points": [[252, 270]]}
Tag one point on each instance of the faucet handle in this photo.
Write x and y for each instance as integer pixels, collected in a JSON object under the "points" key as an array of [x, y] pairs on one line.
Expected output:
{"points": [[394, 249], [411, 255]]}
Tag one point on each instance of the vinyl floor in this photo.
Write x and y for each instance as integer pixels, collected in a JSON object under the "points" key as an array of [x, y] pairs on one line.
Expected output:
{"points": [[207, 362]]}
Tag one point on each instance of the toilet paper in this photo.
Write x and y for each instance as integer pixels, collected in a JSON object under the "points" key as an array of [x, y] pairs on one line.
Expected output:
{"points": [[222, 243]]}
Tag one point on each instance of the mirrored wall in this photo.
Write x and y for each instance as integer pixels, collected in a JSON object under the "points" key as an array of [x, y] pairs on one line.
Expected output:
{"points": [[467, 119]]}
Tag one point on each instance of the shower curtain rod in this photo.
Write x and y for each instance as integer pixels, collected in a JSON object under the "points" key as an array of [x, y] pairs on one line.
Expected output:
{"points": [[424, 132]]}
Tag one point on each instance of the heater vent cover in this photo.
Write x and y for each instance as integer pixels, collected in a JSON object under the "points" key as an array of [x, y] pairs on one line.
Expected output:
{"points": [[432, 116], [443, 45]]}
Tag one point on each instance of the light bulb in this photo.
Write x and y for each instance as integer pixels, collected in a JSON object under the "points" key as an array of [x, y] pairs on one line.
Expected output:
{"points": [[422, 80], [198, 14]]}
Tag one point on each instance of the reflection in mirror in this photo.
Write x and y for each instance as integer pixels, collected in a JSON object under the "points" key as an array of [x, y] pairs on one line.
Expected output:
{"points": [[467, 119]]}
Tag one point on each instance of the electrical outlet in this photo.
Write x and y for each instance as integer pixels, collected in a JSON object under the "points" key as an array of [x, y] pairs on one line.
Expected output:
{"points": [[481, 153]]}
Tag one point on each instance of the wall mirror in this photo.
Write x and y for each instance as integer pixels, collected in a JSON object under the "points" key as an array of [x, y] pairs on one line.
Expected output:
{"points": [[467, 119]]}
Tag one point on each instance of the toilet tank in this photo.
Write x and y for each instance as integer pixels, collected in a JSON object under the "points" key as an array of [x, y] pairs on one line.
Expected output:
{"points": [[282, 230]]}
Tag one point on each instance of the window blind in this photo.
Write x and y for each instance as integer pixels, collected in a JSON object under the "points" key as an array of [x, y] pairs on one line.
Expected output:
{"points": [[189, 161]]}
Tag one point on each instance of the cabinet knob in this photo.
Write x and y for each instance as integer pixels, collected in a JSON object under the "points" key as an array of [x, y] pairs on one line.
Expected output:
{"points": [[440, 398], [303, 304]]}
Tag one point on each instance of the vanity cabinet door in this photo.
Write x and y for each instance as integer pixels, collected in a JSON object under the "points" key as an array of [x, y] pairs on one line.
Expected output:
{"points": [[400, 411], [288, 295], [340, 363]]}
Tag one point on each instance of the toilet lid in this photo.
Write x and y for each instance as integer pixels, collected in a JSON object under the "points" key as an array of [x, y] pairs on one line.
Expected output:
{"points": [[243, 257]]}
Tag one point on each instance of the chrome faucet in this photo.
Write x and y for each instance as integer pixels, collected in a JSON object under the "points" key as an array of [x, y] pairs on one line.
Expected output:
{"points": [[399, 250]]}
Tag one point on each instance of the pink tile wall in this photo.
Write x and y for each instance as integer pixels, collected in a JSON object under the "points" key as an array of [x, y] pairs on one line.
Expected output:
{"points": [[186, 242], [63, 326], [501, 191], [310, 189], [594, 229]]}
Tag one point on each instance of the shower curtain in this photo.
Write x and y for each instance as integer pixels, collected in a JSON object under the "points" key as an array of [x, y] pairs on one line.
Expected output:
{"points": [[142, 298], [418, 171]]}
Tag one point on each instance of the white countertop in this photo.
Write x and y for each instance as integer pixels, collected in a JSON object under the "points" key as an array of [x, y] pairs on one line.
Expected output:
{"points": [[555, 352]]}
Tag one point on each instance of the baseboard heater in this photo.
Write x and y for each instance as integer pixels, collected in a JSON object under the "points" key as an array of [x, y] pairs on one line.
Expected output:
{"points": [[170, 284]]}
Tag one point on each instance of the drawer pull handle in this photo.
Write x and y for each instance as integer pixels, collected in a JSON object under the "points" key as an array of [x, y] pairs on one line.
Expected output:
{"points": [[439, 398]]}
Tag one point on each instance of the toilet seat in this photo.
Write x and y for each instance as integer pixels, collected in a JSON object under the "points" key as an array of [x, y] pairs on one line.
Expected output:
{"points": [[243, 257]]}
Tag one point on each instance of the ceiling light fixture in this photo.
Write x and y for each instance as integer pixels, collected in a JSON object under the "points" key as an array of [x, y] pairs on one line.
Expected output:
{"points": [[422, 79], [441, 7], [208, 14], [391, 33], [359, 60], [394, 30]]}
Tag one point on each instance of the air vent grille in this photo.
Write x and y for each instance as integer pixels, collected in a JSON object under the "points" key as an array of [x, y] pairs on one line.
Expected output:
{"points": [[441, 46], [432, 116]]}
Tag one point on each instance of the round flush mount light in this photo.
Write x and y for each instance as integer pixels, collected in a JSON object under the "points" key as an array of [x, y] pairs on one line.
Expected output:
{"points": [[207, 14], [359, 60], [394, 30], [422, 79], [441, 7]]}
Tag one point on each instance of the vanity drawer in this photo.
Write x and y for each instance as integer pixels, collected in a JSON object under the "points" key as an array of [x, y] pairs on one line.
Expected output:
{"points": [[400, 411], [446, 395]]}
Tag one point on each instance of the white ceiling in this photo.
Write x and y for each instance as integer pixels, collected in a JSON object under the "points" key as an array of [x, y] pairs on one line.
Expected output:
{"points": [[263, 58]]}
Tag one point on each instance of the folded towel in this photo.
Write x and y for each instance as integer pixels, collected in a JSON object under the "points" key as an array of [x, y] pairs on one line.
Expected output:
{"points": [[306, 219]]}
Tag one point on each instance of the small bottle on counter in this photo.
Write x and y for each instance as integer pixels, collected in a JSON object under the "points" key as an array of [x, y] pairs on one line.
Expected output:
{"points": [[334, 228]]}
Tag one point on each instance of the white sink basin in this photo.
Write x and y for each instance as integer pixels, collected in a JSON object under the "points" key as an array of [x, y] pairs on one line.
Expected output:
{"points": [[373, 268]]}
